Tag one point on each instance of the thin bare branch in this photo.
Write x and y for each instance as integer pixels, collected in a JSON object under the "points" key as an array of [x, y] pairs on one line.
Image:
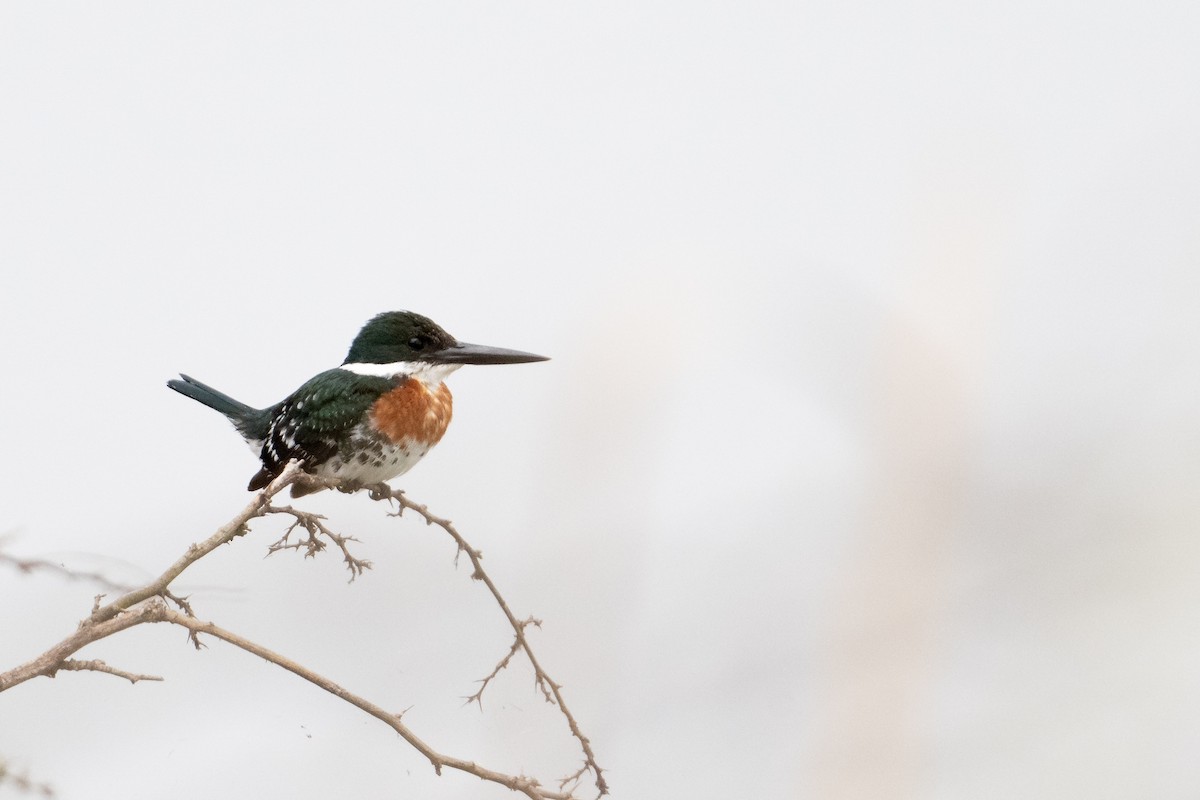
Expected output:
{"points": [[225, 534], [149, 603], [573, 779], [186, 607], [551, 691], [483, 683], [312, 544], [40, 565], [51, 661], [105, 620], [527, 786], [501, 665], [96, 665]]}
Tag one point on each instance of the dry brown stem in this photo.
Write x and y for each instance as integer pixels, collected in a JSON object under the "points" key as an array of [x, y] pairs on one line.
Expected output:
{"points": [[312, 543], [149, 604]]}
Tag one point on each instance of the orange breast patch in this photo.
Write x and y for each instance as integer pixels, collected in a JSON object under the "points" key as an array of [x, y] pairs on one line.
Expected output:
{"points": [[412, 411]]}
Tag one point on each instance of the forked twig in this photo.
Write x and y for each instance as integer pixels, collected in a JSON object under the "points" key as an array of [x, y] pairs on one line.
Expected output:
{"points": [[551, 691], [311, 543], [502, 664]]}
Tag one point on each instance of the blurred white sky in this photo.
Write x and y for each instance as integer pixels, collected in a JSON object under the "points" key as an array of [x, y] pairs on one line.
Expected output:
{"points": [[866, 465]]}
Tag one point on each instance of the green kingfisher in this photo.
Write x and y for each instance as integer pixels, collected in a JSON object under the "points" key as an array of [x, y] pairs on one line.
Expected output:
{"points": [[370, 419]]}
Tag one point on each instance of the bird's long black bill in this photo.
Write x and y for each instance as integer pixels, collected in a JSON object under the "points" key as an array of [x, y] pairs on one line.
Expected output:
{"points": [[463, 353]]}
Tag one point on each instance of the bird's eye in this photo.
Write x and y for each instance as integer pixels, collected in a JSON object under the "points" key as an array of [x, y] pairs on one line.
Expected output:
{"points": [[416, 343]]}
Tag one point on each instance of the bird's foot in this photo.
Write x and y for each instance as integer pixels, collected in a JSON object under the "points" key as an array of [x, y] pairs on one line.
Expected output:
{"points": [[307, 484], [381, 491]]}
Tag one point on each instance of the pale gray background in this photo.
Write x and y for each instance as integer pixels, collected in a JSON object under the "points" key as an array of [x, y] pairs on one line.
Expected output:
{"points": [[867, 464]]}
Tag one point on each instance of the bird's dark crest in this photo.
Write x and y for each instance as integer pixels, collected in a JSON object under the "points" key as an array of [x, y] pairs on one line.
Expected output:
{"points": [[397, 336]]}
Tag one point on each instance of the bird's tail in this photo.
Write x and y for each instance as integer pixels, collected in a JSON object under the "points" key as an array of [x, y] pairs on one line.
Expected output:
{"points": [[251, 422]]}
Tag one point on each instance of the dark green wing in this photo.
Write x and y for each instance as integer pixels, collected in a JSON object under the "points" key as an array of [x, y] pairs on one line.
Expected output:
{"points": [[311, 423]]}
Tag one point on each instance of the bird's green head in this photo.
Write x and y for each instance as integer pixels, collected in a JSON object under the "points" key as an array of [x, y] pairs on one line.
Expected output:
{"points": [[395, 337]]}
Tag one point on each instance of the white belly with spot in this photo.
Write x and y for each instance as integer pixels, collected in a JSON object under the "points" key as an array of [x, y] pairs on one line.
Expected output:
{"points": [[369, 459]]}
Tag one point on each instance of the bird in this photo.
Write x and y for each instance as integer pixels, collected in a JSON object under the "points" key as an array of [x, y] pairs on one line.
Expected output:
{"points": [[364, 422]]}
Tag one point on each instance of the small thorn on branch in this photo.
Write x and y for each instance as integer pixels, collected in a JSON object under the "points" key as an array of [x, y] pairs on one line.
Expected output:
{"points": [[518, 643], [186, 608], [181, 602], [312, 543], [477, 698], [572, 780]]}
